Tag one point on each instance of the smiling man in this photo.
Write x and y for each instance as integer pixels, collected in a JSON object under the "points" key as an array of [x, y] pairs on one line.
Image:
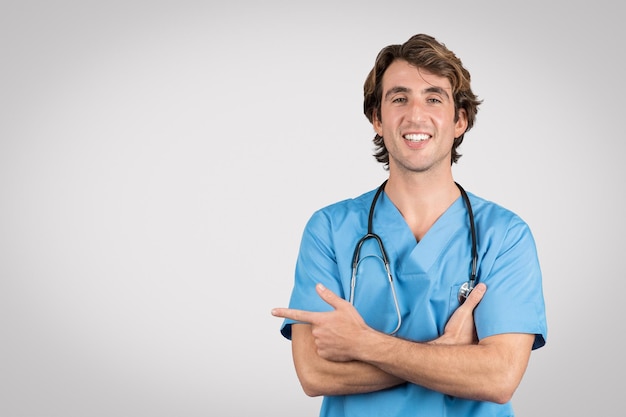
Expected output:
{"points": [[380, 318]]}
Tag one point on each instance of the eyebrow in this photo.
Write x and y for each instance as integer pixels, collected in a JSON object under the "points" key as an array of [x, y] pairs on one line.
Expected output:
{"points": [[432, 89]]}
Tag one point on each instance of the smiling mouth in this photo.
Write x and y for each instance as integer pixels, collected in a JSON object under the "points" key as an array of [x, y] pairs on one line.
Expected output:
{"points": [[416, 137]]}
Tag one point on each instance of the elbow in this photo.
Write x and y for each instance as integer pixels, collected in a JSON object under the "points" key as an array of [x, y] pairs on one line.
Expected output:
{"points": [[310, 387], [493, 394], [500, 384], [501, 396], [311, 390], [501, 392], [311, 383]]}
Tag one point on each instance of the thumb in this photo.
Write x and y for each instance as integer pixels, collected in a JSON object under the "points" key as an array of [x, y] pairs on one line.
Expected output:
{"points": [[330, 297], [475, 296]]}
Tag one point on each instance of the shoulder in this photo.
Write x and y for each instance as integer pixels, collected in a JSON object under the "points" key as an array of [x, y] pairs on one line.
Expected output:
{"points": [[500, 226], [493, 213], [336, 224], [342, 211]]}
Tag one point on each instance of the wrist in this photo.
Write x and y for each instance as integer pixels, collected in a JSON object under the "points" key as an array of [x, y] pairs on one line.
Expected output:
{"points": [[373, 345]]}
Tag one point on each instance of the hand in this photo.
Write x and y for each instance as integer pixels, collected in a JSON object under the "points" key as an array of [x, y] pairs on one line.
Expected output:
{"points": [[336, 332], [460, 329]]}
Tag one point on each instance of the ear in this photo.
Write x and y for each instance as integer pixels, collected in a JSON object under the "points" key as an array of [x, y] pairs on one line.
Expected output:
{"points": [[461, 124], [378, 126]]}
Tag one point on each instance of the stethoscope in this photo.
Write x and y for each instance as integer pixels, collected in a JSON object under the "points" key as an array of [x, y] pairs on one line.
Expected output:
{"points": [[465, 289]]}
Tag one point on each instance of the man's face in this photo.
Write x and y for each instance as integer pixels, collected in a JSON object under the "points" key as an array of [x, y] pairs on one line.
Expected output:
{"points": [[417, 119]]}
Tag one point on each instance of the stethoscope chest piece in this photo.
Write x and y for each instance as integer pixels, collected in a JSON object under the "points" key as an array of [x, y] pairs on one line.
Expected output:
{"points": [[465, 291]]}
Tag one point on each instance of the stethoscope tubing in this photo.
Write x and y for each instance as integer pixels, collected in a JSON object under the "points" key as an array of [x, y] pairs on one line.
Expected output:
{"points": [[465, 289]]}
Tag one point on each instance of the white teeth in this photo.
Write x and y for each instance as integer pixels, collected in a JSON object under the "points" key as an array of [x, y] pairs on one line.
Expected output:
{"points": [[413, 137]]}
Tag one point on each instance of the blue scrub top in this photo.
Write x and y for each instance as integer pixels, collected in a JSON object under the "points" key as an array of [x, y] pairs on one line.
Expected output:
{"points": [[427, 278]]}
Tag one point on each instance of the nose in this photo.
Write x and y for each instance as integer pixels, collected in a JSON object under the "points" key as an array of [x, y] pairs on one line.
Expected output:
{"points": [[416, 111]]}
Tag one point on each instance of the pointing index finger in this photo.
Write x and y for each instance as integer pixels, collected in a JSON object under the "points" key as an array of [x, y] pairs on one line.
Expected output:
{"points": [[290, 313]]}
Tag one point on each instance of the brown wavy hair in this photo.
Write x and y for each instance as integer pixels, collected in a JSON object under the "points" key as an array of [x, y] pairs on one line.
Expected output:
{"points": [[422, 51]]}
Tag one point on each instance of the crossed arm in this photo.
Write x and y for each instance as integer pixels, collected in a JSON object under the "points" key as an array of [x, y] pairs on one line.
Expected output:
{"points": [[336, 353]]}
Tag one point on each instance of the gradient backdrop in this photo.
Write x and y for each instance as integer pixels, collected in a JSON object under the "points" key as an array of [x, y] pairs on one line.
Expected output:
{"points": [[159, 159]]}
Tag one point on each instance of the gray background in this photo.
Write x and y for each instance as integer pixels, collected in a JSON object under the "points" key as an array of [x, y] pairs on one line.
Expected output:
{"points": [[158, 161]]}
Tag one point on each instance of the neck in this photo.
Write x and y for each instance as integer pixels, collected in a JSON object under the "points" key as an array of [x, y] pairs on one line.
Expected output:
{"points": [[423, 189], [421, 199]]}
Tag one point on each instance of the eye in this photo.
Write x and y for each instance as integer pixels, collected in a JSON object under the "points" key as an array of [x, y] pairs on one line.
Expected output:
{"points": [[434, 100], [399, 100]]}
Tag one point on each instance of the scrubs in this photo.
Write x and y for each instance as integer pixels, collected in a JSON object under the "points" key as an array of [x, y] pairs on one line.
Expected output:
{"points": [[427, 276]]}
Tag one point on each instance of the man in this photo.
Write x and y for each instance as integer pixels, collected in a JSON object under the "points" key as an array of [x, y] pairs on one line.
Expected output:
{"points": [[405, 344]]}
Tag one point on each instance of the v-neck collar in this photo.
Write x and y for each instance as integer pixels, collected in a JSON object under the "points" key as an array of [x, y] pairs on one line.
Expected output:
{"points": [[406, 254]]}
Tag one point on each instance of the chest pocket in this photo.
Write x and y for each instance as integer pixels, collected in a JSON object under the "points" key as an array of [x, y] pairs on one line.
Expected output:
{"points": [[428, 302]]}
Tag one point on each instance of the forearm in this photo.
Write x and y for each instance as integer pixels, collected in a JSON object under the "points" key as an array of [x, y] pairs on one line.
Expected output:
{"points": [[339, 354], [488, 371], [319, 376]]}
